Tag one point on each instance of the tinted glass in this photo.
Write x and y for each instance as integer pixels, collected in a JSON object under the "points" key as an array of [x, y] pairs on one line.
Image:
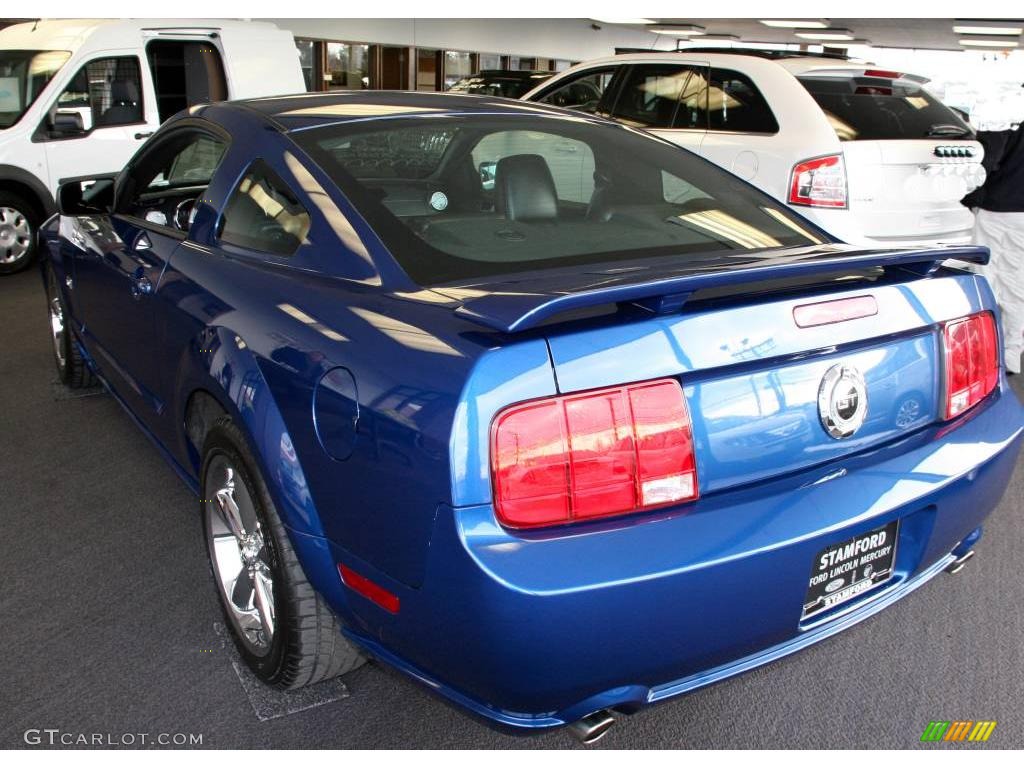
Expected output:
{"points": [[735, 104], [558, 192], [264, 215], [105, 92], [181, 164], [868, 108], [23, 75], [582, 92], [649, 95]]}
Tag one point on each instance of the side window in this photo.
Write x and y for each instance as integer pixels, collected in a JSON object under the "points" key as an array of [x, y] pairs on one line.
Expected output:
{"points": [[571, 162], [175, 171], [262, 214], [735, 104], [582, 92], [650, 94], [103, 93], [185, 73]]}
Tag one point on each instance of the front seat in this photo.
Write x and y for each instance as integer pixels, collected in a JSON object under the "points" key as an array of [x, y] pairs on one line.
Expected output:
{"points": [[126, 107], [524, 189]]}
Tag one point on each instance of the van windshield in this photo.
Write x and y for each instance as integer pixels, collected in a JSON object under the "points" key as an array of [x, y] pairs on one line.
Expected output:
{"points": [[23, 75]]}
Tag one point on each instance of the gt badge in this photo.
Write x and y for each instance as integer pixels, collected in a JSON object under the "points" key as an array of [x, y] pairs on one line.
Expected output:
{"points": [[842, 401]]}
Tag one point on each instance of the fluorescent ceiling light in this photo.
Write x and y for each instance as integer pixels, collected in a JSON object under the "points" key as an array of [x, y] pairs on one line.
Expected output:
{"points": [[987, 27], [626, 21], [795, 23], [678, 29], [978, 42], [827, 34]]}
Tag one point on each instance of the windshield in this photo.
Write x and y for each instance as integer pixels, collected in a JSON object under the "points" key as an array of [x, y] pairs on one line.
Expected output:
{"points": [[462, 197], [23, 75], [872, 108]]}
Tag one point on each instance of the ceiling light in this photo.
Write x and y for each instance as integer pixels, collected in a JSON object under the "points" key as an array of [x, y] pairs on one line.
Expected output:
{"points": [[797, 24], [978, 42], [678, 29], [827, 34], [987, 27], [625, 21]]}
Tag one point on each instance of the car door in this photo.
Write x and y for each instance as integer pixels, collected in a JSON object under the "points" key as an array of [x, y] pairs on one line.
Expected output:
{"points": [[667, 98], [742, 130], [117, 283], [100, 118]]}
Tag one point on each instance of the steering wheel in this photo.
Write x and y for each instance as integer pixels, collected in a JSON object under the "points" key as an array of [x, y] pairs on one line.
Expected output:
{"points": [[185, 214]]}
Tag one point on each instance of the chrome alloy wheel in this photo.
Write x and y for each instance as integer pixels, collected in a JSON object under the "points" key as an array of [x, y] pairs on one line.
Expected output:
{"points": [[240, 558], [57, 329], [15, 235]]}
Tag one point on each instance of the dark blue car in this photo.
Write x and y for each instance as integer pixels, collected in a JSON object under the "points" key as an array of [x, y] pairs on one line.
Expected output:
{"points": [[552, 416]]}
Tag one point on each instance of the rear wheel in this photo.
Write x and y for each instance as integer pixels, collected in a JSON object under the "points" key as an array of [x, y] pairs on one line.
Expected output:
{"points": [[282, 627], [19, 220], [72, 369]]}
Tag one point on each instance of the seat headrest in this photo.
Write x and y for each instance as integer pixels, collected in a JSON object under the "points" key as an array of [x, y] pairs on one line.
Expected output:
{"points": [[524, 189]]}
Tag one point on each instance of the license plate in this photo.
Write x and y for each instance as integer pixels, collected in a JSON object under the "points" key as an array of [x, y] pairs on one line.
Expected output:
{"points": [[843, 571]]}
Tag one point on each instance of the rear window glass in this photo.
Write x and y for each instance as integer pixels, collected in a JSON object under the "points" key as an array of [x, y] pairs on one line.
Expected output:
{"points": [[465, 197], [870, 108]]}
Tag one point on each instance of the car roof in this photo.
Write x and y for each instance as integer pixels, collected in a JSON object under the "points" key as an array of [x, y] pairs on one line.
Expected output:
{"points": [[309, 110], [71, 34]]}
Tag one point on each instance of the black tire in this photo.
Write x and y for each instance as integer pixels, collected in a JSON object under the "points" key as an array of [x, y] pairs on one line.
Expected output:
{"points": [[23, 211], [307, 645], [72, 370]]}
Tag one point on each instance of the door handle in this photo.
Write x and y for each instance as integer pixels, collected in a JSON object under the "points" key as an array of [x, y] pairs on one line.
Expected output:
{"points": [[141, 136]]}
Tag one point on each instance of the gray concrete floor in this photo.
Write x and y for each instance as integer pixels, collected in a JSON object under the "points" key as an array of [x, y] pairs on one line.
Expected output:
{"points": [[108, 614]]}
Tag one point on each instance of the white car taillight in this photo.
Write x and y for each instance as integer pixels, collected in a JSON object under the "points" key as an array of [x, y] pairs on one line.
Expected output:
{"points": [[819, 183]]}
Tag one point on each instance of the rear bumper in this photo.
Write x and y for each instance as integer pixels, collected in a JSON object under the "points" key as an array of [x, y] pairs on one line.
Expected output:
{"points": [[538, 630]]}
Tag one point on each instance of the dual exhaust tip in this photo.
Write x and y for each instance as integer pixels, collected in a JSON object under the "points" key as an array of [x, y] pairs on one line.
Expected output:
{"points": [[958, 565]]}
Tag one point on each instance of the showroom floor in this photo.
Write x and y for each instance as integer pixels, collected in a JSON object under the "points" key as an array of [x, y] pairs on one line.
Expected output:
{"points": [[109, 620]]}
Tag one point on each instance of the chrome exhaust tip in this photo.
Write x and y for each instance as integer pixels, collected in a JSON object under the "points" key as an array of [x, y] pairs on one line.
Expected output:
{"points": [[590, 729], [958, 565]]}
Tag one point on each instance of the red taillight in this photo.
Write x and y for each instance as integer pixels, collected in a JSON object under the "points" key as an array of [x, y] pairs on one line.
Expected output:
{"points": [[972, 361], [595, 454], [836, 311], [368, 589], [820, 183], [888, 74]]}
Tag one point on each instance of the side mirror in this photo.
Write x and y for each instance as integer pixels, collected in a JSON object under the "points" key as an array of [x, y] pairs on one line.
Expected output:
{"points": [[66, 122], [86, 197], [488, 171]]}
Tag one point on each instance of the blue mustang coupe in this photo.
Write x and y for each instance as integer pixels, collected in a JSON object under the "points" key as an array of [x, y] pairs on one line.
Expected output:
{"points": [[552, 416]]}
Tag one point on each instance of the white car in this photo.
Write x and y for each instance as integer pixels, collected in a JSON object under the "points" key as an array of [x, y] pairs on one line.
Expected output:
{"points": [[867, 154], [78, 98]]}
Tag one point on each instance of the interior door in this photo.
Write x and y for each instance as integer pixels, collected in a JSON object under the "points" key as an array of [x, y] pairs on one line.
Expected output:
{"points": [[100, 119], [118, 283]]}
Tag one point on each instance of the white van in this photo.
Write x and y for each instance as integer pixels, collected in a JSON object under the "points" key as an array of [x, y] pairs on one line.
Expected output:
{"points": [[867, 154], [78, 98]]}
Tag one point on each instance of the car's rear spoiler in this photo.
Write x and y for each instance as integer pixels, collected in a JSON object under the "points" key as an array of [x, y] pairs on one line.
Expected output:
{"points": [[514, 305]]}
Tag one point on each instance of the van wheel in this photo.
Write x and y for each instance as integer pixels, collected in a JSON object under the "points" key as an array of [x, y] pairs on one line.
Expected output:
{"points": [[283, 629], [19, 221], [72, 369]]}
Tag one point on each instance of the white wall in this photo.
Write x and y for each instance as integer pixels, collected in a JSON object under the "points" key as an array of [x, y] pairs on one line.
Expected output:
{"points": [[572, 39]]}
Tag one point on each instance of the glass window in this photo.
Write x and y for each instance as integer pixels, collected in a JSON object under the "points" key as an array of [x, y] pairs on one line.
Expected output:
{"points": [[426, 69], [263, 215], [104, 92], [735, 104], [347, 66], [868, 108], [306, 49], [457, 65], [490, 61], [176, 169], [582, 92], [480, 196], [650, 93], [23, 75], [560, 65]]}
